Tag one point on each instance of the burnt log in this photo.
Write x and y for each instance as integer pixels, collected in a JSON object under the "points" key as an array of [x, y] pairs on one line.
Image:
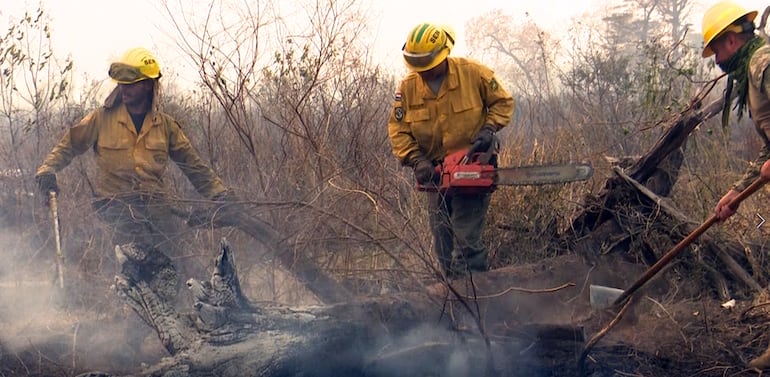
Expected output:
{"points": [[661, 163], [410, 334]]}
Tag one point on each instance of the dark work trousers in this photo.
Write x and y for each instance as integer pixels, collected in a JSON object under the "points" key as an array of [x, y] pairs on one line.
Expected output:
{"points": [[148, 220], [458, 219]]}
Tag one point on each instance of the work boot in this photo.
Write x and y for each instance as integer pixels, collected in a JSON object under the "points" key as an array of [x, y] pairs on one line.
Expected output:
{"points": [[762, 361]]}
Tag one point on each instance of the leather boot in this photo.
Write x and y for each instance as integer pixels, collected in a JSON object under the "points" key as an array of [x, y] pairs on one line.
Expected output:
{"points": [[762, 361]]}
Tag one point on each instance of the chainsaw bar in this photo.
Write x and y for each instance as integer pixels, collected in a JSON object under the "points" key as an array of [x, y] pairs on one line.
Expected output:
{"points": [[543, 174]]}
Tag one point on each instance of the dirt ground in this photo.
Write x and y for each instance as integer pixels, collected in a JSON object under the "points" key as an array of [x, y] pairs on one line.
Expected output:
{"points": [[45, 334], [671, 331]]}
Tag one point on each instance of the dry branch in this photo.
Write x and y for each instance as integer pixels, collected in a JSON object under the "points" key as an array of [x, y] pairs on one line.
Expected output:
{"points": [[669, 208], [675, 136]]}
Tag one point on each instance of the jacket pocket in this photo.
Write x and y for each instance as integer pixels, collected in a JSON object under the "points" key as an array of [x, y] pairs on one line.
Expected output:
{"points": [[467, 117], [115, 153], [114, 143], [157, 148], [462, 104], [422, 127], [417, 115]]}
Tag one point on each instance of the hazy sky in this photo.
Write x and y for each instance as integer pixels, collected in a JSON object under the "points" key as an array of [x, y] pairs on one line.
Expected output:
{"points": [[94, 32]]}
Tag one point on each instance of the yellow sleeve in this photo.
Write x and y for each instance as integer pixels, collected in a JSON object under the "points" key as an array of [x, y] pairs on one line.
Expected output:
{"points": [[202, 177], [498, 101], [402, 142], [75, 141]]}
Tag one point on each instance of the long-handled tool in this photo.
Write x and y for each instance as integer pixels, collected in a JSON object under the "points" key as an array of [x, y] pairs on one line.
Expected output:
{"points": [[57, 235], [599, 291]]}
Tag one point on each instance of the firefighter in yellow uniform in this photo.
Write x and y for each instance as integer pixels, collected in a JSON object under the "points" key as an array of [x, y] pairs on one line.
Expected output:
{"points": [[729, 35], [133, 142], [446, 104]]}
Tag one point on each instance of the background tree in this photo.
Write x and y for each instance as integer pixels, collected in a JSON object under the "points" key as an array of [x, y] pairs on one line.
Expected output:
{"points": [[33, 83]]}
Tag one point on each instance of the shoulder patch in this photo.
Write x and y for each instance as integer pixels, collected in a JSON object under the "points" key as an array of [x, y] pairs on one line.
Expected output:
{"points": [[758, 64], [493, 86], [398, 113]]}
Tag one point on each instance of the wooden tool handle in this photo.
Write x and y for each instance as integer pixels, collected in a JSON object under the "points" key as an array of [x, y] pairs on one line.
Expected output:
{"points": [[666, 258]]}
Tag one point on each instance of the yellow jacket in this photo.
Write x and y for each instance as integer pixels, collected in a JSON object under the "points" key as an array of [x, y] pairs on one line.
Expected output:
{"points": [[429, 125], [130, 163]]}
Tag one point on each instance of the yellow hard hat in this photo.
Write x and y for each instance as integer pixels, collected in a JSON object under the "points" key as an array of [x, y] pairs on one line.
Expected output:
{"points": [[137, 64], [427, 46], [720, 18]]}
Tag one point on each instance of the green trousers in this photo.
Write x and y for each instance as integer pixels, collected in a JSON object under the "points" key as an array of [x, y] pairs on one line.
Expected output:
{"points": [[140, 219], [457, 222], [149, 221]]}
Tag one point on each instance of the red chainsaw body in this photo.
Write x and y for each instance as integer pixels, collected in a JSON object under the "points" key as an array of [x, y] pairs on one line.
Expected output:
{"points": [[461, 175]]}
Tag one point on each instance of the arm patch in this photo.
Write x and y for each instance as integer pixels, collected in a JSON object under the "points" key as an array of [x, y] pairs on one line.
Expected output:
{"points": [[398, 113]]}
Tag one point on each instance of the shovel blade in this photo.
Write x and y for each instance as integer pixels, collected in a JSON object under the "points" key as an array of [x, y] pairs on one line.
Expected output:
{"points": [[603, 297]]}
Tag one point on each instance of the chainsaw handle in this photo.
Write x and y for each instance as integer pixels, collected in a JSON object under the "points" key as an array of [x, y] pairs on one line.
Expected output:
{"points": [[473, 149]]}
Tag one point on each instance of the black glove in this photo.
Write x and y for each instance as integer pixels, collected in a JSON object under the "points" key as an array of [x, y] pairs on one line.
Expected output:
{"points": [[423, 171], [46, 183], [484, 138]]}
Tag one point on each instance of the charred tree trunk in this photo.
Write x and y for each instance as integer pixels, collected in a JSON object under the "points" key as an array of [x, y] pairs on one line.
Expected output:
{"points": [[408, 335], [632, 218], [661, 163]]}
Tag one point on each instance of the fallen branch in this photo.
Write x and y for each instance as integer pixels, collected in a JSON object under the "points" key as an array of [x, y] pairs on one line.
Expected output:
{"points": [[524, 290]]}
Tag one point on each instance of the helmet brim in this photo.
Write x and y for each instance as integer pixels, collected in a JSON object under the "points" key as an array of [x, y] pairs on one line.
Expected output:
{"points": [[440, 57]]}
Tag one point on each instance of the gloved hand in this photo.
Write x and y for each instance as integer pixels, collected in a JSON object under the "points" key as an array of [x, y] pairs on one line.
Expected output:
{"points": [[423, 171], [226, 196], [485, 137], [46, 183]]}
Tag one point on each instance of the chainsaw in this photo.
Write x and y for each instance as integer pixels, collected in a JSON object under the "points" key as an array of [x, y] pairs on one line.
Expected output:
{"points": [[470, 172]]}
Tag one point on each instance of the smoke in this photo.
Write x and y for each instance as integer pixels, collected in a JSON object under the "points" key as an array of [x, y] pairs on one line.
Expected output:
{"points": [[426, 350], [435, 350], [47, 327]]}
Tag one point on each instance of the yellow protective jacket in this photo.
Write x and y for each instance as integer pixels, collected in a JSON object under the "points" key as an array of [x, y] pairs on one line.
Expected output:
{"points": [[759, 106], [423, 124], [130, 163]]}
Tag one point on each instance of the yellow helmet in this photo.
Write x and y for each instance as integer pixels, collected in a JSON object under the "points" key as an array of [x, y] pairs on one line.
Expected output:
{"points": [[137, 64], [720, 18], [427, 46]]}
